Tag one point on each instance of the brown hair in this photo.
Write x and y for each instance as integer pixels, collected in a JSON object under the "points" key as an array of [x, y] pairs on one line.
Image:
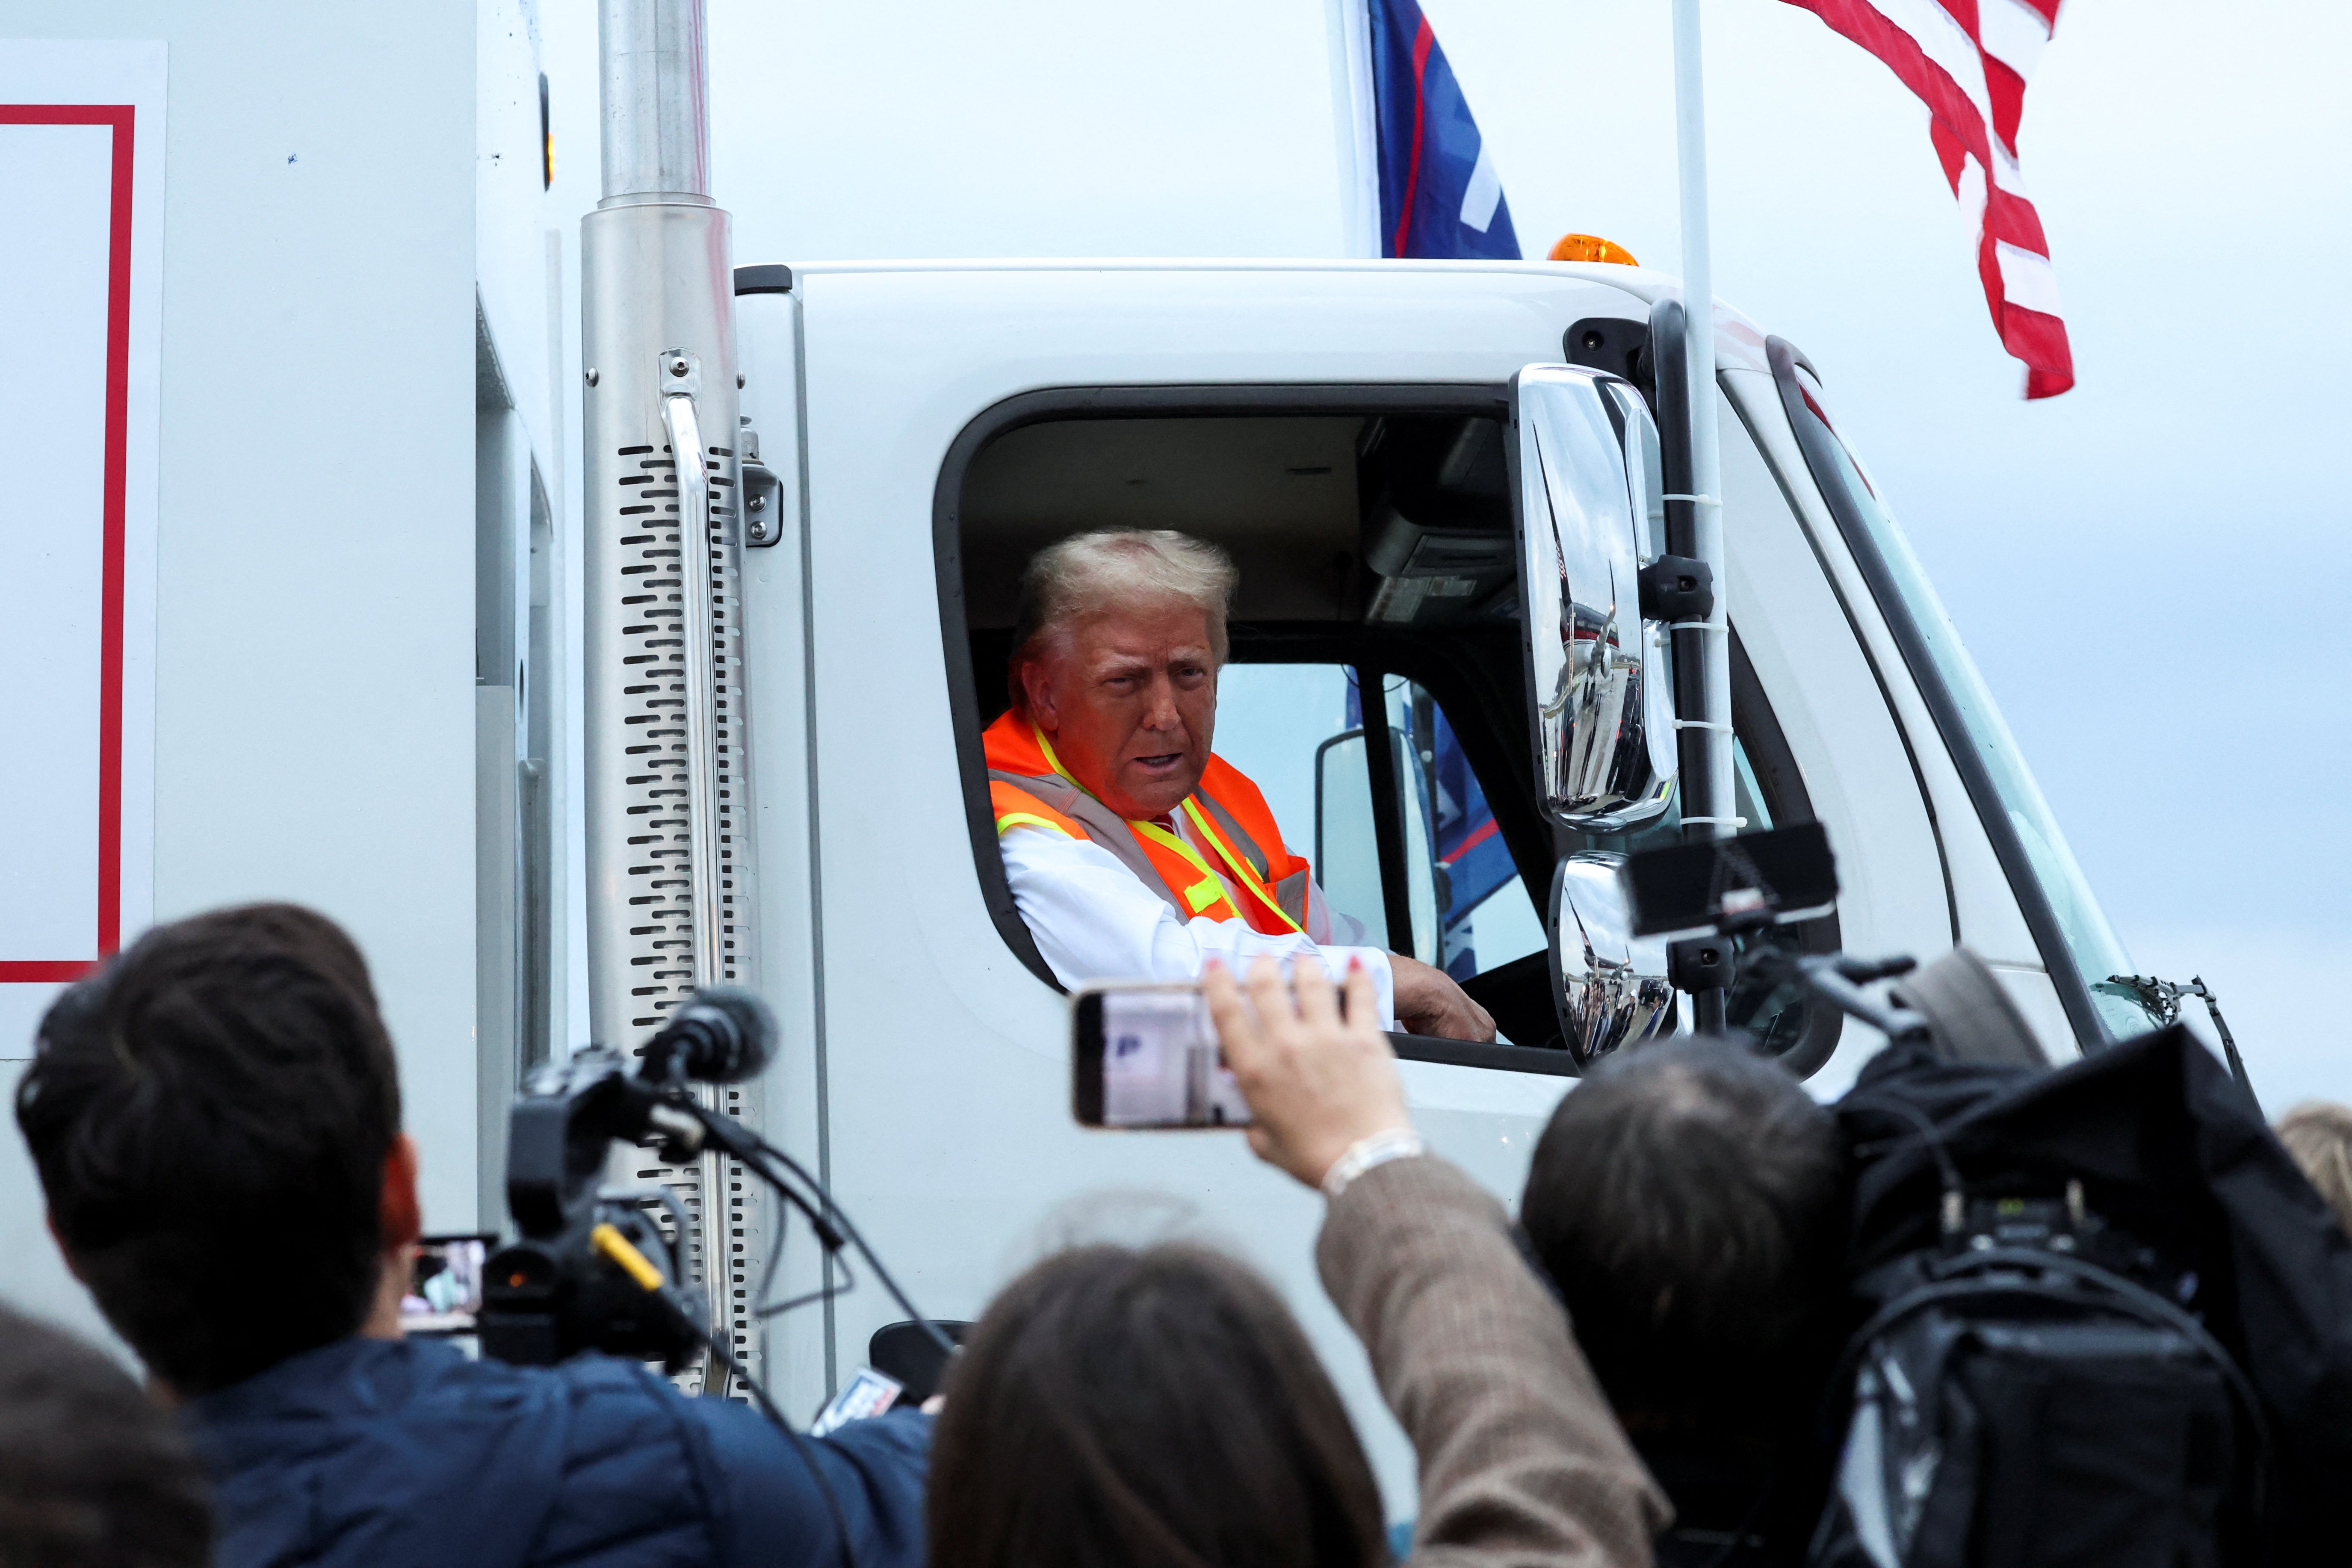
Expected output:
{"points": [[92, 1473], [2319, 1133], [1157, 1408], [210, 1115]]}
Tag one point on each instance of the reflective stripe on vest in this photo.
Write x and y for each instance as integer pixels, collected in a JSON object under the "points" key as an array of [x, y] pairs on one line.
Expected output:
{"points": [[1022, 766]]}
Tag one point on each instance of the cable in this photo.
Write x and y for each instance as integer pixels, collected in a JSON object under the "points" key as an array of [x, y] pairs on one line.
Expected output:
{"points": [[756, 1151], [808, 1298], [849, 1228]]}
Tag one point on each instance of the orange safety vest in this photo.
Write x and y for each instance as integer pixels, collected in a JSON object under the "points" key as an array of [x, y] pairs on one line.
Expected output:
{"points": [[1028, 788]]}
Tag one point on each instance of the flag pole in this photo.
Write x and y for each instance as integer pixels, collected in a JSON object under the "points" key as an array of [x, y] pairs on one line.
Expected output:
{"points": [[1698, 376]]}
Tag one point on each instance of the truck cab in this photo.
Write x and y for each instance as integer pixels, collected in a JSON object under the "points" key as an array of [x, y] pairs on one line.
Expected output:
{"points": [[1350, 433]]}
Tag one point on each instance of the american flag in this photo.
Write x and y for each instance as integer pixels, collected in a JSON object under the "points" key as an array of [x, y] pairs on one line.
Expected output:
{"points": [[1969, 61]]}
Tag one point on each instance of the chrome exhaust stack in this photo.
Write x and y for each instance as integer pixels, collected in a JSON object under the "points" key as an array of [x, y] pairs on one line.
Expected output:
{"points": [[667, 805]]}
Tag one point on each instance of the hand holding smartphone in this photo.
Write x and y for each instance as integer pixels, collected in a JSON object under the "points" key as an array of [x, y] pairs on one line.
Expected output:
{"points": [[1322, 1079], [1144, 1055]]}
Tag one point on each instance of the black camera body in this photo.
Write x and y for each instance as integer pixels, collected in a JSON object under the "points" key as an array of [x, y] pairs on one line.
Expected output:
{"points": [[554, 1292], [591, 1268]]}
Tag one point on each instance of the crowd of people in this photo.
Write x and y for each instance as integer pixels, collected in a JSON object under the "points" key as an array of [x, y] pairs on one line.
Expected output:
{"points": [[1626, 1376]]}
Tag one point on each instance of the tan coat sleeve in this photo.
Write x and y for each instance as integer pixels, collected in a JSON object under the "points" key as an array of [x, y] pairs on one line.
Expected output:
{"points": [[1522, 1462]]}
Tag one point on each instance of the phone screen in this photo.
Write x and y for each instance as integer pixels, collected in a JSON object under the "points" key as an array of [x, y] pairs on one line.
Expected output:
{"points": [[445, 1287], [1146, 1056]]}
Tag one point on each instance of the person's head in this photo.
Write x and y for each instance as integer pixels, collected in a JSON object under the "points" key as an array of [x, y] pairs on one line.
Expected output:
{"points": [[1685, 1199], [2319, 1133], [1147, 1409], [215, 1119], [93, 1474], [1121, 635]]}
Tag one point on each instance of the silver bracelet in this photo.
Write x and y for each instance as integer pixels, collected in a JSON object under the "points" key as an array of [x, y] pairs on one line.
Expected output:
{"points": [[1395, 1143]]}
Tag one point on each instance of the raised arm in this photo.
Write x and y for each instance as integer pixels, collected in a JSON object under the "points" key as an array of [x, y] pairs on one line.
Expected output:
{"points": [[1521, 1461]]}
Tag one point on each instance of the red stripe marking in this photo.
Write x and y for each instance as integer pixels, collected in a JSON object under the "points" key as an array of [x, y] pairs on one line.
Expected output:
{"points": [[118, 452], [21, 971], [1483, 832], [119, 117], [1422, 42]]}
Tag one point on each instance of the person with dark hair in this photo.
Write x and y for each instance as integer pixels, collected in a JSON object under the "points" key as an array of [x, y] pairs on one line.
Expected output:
{"points": [[215, 1119], [1686, 1199], [1160, 1407], [93, 1474]]}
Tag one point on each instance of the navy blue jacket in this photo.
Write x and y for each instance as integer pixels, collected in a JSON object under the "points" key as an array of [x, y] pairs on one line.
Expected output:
{"points": [[404, 1453]]}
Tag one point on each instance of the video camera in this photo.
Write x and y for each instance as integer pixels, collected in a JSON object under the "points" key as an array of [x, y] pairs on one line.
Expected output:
{"points": [[1734, 885], [593, 1269]]}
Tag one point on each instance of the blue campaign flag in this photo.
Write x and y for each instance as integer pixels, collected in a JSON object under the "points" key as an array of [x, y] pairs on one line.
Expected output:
{"points": [[1440, 195], [1460, 825]]}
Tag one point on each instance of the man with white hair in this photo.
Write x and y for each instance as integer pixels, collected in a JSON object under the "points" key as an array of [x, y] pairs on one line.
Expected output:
{"points": [[1133, 851]]}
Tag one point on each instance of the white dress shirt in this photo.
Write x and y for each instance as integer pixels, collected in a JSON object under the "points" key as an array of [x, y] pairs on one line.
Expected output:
{"points": [[1094, 919]]}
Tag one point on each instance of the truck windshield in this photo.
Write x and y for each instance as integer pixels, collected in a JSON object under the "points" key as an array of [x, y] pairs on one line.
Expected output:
{"points": [[2078, 947]]}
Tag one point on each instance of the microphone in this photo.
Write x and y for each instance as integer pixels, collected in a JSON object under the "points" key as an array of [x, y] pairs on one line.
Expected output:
{"points": [[723, 1035]]}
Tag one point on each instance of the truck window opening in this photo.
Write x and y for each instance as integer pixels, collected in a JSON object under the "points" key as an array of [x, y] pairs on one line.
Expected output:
{"points": [[1377, 553]]}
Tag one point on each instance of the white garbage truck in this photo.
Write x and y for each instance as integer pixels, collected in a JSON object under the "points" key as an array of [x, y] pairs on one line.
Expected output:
{"points": [[1477, 658], [1457, 494]]}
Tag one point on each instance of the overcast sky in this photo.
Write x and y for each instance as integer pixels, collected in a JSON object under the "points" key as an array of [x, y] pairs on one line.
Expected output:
{"points": [[2150, 570]]}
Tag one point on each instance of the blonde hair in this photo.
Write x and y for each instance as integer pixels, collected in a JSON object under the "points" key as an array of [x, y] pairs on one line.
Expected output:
{"points": [[2319, 1133], [1087, 573]]}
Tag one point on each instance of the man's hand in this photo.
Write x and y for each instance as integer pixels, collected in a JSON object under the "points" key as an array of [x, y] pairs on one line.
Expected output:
{"points": [[1428, 1002], [1316, 1084]]}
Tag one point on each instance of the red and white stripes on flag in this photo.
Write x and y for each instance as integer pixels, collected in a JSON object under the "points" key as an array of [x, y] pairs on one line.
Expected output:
{"points": [[1969, 61]]}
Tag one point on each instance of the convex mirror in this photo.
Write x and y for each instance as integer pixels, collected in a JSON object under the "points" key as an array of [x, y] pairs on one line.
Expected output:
{"points": [[1610, 984], [1592, 509]]}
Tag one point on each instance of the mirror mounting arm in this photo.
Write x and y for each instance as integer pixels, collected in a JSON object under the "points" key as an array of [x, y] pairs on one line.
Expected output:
{"points": [[1677, 588]]}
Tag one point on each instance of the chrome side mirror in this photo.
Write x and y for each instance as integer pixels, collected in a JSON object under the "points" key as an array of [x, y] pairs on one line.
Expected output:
{"points": [[1589, 501], [1611, 985]]}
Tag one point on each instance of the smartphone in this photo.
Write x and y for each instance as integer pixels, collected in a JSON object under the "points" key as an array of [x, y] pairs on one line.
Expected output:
{"points": [[1144, 1054], [445, 1285]]}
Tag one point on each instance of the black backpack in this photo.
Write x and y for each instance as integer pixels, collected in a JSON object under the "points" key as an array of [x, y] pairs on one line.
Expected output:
{"points": [[2105, 1321]]}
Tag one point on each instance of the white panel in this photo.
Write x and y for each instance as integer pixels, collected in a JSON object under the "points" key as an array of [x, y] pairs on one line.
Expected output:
{"points": [[55, 184], [306, 406]]}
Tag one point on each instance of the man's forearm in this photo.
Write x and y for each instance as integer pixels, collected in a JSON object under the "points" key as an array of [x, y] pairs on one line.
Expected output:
{"points": [[1094, 921], [1521, 1461]]}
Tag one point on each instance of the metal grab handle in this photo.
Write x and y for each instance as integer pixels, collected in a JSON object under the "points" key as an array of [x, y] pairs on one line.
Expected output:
{"points": [[694, 557]]}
